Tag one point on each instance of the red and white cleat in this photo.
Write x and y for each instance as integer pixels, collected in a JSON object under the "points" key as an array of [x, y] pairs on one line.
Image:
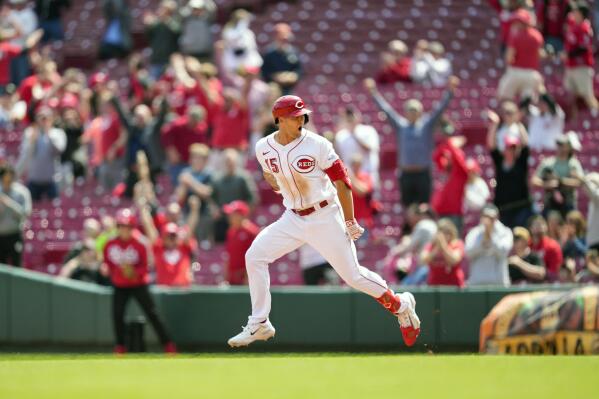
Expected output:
{"points": [[409, 323]]}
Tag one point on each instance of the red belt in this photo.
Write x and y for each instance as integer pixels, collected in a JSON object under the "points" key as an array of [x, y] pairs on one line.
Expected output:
{"points": [[307, 211]]}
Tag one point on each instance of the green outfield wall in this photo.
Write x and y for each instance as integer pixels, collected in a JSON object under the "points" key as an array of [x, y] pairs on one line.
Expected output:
{"points": [[42, 311]]}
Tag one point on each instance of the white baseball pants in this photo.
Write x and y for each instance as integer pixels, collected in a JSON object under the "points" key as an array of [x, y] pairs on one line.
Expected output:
{"points": [[324, 230]]}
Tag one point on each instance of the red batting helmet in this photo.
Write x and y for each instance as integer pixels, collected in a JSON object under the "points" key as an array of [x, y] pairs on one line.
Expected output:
{"points": [[125, 217], [289, 106]]}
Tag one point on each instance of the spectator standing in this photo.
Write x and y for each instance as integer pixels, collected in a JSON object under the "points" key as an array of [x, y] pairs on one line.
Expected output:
{"points": [[163, 30], [91, 231], [126, 258], [551, 18], [24, 20], [512, 196], [106, 140], [524, 265], [315, 269], [487, 248], [143, 133], [49, 14], [39, 156], [240, 48], [395, 64], [421, 62], [282, 63], [545, 123], [578, 78], [9, 51], [444, 256], [117, 41], [233, 185], [197, 180], [522, 57], [240, 236], [196, 37], [355, 137], [15, 207], [555, 175], [440, 67], [509, 125], [179, 135], [414, 141], [231, 122], [448, 200], [173, 247], [506, 10], [408, 269], [590, 184], [546, 248]]}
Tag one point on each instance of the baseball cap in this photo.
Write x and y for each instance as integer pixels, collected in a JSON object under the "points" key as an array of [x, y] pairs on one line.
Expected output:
{"points": [[473, 166], [170, 228], [490, 210], [511, 140], [570, 138], [237, 206], [521, 232], [97, 78], [125, 217], [413, 105]]}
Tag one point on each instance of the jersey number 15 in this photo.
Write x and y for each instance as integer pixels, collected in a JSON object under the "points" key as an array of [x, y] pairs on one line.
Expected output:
{"points": [[272, 164]]}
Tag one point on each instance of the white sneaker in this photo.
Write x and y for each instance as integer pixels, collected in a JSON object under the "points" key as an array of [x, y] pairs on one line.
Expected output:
{"points": [[253, 332], [409, 323]]}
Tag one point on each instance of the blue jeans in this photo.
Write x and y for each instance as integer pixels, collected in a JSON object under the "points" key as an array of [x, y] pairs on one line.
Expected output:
{"points": [[39, 189], [417, 277], [52, 30]]}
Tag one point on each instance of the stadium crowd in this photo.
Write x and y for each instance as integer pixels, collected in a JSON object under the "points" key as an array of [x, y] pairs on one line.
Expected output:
{"points": [[193, 109]]}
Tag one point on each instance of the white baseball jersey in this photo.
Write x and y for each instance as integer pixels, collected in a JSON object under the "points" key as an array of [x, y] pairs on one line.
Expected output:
{"points": [[298, 168]]}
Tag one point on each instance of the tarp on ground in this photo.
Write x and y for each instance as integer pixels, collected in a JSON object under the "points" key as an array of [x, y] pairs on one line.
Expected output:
{"points": [[544, 322]]}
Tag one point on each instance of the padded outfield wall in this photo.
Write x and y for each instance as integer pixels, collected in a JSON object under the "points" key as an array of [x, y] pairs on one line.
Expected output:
{"points": [[38, 310]]}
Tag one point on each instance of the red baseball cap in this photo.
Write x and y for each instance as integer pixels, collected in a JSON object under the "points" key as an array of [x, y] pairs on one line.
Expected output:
{"points": [[511, 141], [125, 217], [170, 228], [289, 106], [97, 78], [237, 206]]}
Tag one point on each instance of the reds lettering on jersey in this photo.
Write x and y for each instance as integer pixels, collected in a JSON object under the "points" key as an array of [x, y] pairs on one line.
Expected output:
{"points": [[298, 168]]}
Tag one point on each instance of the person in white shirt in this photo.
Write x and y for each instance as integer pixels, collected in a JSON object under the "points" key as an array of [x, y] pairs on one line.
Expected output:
{"points": [[545, 123], [239, 43], [316, 189], [421, 62], [509, 125], [23, 17], [440, 67], [488, 246], [353, 138]]}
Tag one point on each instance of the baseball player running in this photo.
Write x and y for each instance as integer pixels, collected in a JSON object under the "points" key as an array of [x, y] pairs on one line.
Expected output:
{"points": [[304, 168]]}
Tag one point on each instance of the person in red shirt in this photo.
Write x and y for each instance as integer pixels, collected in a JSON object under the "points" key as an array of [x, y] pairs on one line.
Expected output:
{"points": [[448, 199], [126, 258], [551, 17], [9, 51], [545, 248], [240, 236], [362, 189], [444, 256], [396, 64], [179, 135], [231, 121], [174, 248], [578, 78], [522, 57]]}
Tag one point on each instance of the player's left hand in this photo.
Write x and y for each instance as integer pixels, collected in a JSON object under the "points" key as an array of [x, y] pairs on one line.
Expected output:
{"points": [[354, 230]]}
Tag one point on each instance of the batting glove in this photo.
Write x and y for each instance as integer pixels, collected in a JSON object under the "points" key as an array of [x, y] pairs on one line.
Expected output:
{"points": [[354, 230]]}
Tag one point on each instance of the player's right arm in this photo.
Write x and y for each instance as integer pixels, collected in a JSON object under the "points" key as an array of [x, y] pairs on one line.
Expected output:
{"points": [[270, 178], [266, 166]]}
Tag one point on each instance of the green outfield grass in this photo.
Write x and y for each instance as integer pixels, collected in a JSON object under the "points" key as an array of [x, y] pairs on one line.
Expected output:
{"points": [[296, 376]]}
